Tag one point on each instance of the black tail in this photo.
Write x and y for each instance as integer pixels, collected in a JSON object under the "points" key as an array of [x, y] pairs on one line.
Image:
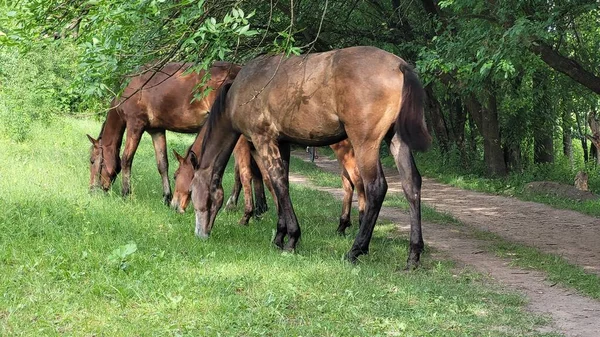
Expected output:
{"points": [[217, 109], [410, 124]]}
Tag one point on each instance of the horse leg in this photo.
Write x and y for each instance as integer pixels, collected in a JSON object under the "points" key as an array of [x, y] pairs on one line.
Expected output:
{"points": [[235, 192], [350, 180], [246, 179], [375, 188], [259, 189], [348, 187], [265, 176], [276, 159], [411, 184], [159, 140], [134, 134]]}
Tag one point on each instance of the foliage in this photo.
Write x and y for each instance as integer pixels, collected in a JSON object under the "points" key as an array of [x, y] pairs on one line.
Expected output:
{"points": [[36, 86], [122, 255], [468, 53], [116, 38]]}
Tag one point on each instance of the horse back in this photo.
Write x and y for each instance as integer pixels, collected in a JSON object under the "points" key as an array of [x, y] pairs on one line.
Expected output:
{"points": [[165, 99], [311, 99]]}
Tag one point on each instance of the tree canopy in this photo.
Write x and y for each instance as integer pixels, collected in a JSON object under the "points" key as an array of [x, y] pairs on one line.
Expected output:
{"points": [[509, 76]]}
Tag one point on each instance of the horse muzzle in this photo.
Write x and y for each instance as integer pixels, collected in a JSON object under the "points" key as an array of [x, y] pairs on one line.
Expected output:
{"points": [[202, 224]]}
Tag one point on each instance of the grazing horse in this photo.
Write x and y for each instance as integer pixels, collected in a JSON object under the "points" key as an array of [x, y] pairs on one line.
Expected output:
{"points": [[247, 173], [315, 100], [154, 102]]}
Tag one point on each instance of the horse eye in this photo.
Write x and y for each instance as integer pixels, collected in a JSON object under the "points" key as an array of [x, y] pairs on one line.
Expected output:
{"points": [[91, 161]]}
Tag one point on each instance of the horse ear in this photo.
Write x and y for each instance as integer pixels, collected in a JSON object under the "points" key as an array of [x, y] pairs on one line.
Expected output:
{"points": [[92, 140], [194, 160], [178, 156]]}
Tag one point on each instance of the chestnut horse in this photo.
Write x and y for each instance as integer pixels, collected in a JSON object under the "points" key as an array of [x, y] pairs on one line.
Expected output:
{"points": [[153, 102], [247, 173], [315, 100]]}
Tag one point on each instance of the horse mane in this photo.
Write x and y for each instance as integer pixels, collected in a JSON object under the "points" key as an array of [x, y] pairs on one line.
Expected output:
{"points": [[189, 149], [102, 129], [216, 112]]}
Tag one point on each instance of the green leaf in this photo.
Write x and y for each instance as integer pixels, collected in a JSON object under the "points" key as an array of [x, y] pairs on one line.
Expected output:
{"points": [[244, 29], [120, 254], [486, 67]]}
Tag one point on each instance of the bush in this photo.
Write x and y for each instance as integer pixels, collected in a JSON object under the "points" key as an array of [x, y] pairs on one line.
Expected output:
{"points": [[35, 86]]}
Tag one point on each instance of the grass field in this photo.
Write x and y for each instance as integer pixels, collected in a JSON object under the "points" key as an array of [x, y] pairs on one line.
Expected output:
{"points": [[75, 263]]}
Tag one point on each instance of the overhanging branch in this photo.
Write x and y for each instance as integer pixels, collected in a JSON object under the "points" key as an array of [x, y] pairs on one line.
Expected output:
{"points": [[566, 66]]}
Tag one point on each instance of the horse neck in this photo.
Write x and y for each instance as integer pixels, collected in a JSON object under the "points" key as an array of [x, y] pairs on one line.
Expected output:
{"points": [[197, 144], [218, 144], [112, 132]]}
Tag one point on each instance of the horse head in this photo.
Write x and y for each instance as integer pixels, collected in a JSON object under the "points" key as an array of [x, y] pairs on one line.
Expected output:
{"points": [[207, 196], [103, 169], [183, 179]]}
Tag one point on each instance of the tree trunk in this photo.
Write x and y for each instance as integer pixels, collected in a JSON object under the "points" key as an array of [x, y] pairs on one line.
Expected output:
{"points": [[582, 131], [472, 133], [595, 137], [543, 128], [438, 123], [513, 157], [486, 119], [459, 118], [567, 141]]}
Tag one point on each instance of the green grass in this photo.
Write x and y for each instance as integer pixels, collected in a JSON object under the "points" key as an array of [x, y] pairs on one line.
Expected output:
{"points": [[556, 268], [315, 174], [75, 263]]}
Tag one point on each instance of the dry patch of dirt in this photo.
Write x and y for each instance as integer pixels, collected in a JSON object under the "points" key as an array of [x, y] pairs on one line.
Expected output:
{"points": [[555, 189], [572, 235]]}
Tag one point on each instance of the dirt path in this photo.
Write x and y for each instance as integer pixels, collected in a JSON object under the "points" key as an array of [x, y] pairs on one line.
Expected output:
{"points": [[538, 225]]}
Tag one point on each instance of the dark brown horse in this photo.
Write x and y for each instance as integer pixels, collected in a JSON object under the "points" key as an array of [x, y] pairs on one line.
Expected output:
{"points": [[247, 173], [318, 99], [153, 102]]}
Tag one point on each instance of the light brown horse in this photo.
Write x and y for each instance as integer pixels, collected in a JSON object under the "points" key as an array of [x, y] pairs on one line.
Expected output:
{"points": [[318, 99], [247, 174], [153, 102]]}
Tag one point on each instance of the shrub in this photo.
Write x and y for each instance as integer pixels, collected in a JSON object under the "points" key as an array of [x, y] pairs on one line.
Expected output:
{"points": [[35, 86]]}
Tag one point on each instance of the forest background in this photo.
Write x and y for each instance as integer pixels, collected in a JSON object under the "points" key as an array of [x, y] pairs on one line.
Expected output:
{"points": [[512, 86]]}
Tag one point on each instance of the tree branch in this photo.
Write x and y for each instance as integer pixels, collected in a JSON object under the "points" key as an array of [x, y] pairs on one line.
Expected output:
{"points": [[566, 66]]}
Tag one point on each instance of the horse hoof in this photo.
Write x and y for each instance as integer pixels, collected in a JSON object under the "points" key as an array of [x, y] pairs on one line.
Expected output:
{"points": [[167, 200], [353, 255], [260, 211], [351, 258], [278, 241], [411, 265], [290, 248], [202, 236]]}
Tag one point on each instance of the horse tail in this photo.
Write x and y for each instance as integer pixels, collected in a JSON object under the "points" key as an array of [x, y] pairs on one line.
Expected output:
{"points": [[216, 111], [410, 124]]}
